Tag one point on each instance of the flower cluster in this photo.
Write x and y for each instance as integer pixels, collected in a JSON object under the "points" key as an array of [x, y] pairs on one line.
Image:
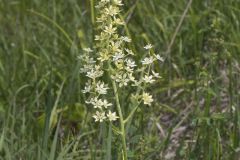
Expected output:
{"points": [[114, 60]]}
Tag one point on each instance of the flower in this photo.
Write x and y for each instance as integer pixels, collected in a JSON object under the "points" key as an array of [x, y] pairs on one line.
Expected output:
{"points": [[148, 46], [97, 103], [112, 116], [88, 50], [122, 79], [147, 60], [131, 77], [118, 21], [147, 98], [156, 75], [117, 56], [148, 79], [130, 63], [111, 10], [110, 29], [87, 88], [103, 56], [129, 51], [105, 103], [100, 88], [99, 116], [118, 2], [159, 58], [126, 39], [95, 73]]}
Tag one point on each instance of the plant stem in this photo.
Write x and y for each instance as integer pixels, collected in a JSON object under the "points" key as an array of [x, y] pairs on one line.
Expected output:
{"points": [[92, 12], [109, 142], [121, 120]]}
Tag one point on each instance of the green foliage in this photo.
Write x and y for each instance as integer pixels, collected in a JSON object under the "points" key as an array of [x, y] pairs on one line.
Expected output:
{"points": [[196, 113]]}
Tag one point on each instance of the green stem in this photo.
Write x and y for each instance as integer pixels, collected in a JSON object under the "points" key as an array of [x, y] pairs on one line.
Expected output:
{"points": [[109, 142], [131, 113], [121, 120], [92, 12]]}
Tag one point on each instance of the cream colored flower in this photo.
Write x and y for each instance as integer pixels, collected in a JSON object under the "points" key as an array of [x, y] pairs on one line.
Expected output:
{"points": [[118, 2], [87, 88], [95, 73], [110, 29], [147, 98], [148, 79], [147, 47], [122, 80], [156, 75], [111, 10], [130, 63], [99, 116], [97, 103], [105, 103], [126, 39], [88, 50], [147, 60], [117, 56], [159, 58], [118, 21], [101, 88], [112, 116], [130, 52]]}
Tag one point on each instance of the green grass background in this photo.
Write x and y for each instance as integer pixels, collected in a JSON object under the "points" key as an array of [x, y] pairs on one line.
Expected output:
{"points": [[196, 114]]}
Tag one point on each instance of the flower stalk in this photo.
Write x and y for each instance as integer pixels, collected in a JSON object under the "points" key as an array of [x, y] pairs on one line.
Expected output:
{"points": [[113, 62], [121, 121]]}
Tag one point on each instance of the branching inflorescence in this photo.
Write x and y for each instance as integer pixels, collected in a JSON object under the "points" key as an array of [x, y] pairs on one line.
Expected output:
{"points": [[114, 59], [110, 67]]}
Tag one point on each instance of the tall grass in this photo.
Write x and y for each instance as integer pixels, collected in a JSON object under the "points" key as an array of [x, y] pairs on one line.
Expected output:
{"points": [[42, 111]]}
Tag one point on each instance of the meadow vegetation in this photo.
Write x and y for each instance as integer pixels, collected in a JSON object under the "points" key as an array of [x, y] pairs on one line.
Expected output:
{"points": [[189, 112]]}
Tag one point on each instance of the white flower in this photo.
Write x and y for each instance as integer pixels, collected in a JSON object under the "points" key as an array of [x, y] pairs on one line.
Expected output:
{"points": [[88, 50], [99, 116], [86, 68], [122, 80], [147, 98], [118, 21], [156, 75], [112, 11], [118, 2], [130, 63], [103, 56], [117, 56], [112, 116], [159, 58], [129, 69], [87, 88], [147, 60], [105, 103], [110, 29], [97, 38], [148, 79], [101, 88], [126, 39], [115, 46], [129, 51], [147, 47], [131, 77], [95, 73], [105, 1], [97, 103]]}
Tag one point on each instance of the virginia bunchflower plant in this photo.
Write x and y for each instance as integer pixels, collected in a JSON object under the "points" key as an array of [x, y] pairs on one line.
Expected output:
{"points": [[110, 68]]}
